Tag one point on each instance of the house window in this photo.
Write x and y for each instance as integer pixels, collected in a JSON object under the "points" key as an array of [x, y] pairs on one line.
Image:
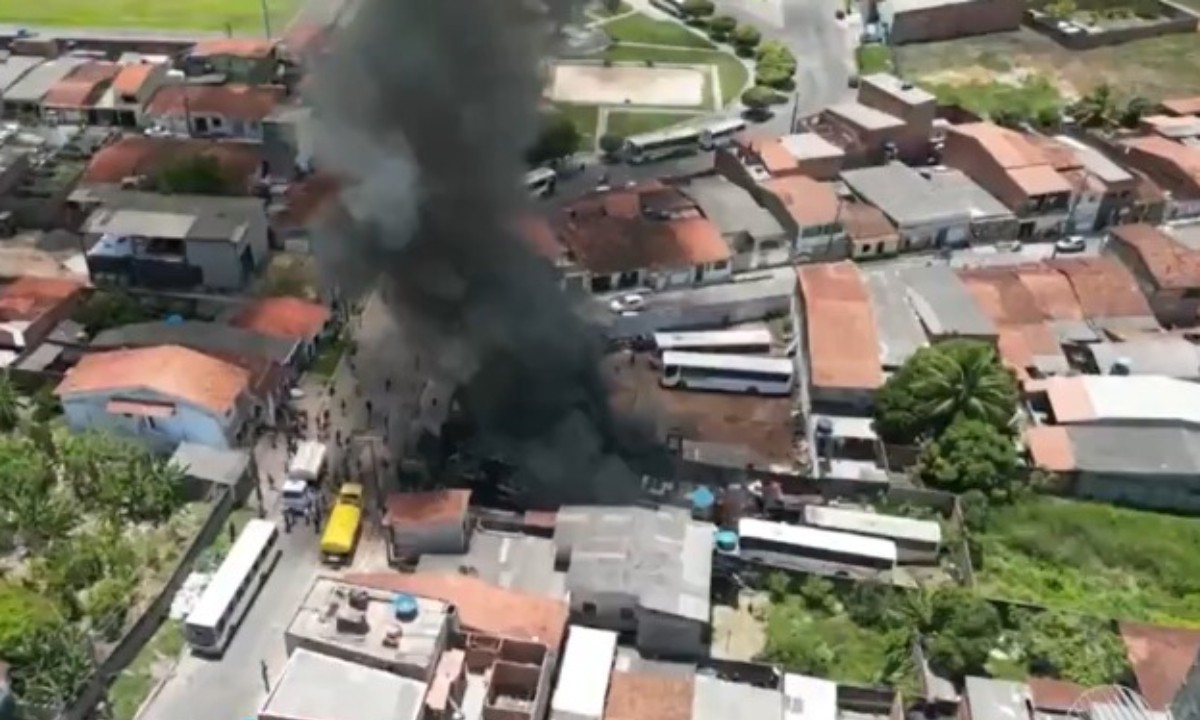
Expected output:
{"points": [[721, 265], [589, 609]]}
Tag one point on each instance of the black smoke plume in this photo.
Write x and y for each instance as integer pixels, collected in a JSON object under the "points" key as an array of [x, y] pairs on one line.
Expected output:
{"points": [[426, 107]]}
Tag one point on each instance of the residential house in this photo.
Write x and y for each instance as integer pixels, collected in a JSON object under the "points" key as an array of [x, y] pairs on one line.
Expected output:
{"points": [[288, 318], [1149, 202], [810, 211], [288, 136], [1173, 166], [123, 103], [1181, 106], [1106, 190], [1167, 271], [913, 21], [1108, 294], [1183, 129], [914, 106], [869, 232], [642, 571], [896, 323], [924, 217], [252, 61], [176, 241], [990, 219], [135, 161], [161, 396], [646, 236], [211, 338], [230, 111], [1026, 340], [70, 101], [944, 305], [14, 67], [425, 523], [30, 307], [1165, 354], [751, 231], [22, 100], [1015, 171], [839, 351], [869, 135], [749, 159]]}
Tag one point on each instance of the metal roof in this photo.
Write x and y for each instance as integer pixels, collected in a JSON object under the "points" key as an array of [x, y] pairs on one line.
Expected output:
{"points": [[905, 196], [221, 467], [809, 698], [1096, 162], [198, 335], [998, 699], [1152, 451], [1171, 356], [968, 194], [732, 208], [716, 699], [319, 687], [14, 67], [899, 329], [584, 673], [943, 304], [35, 83]]}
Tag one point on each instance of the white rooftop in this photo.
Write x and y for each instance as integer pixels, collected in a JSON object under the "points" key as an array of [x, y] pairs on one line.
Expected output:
{"points": [[817, 539], [320, 687], [584, 675], [1147, 399]]}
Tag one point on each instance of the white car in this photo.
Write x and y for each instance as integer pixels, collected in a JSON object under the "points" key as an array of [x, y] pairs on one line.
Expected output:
{"points": [[1073, 244], [631, 303]]}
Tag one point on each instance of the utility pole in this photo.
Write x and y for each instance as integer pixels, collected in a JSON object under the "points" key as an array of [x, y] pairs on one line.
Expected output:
{"points": [[266, 16]]}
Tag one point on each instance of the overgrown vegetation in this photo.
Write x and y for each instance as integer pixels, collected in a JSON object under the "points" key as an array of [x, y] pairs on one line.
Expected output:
{"points": [[1034, 99], [194, 175], [106, 309], [775, 66], [873, 58], [864, 633], [1090, 558]]}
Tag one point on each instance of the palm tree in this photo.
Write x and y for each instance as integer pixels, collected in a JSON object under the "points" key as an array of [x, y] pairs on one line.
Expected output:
{"points": [[965, 380], [1096, 109]]}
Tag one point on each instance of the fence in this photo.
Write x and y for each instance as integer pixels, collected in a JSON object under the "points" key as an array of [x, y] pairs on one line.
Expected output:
{"points": [[1174, 19], [145, 627]]}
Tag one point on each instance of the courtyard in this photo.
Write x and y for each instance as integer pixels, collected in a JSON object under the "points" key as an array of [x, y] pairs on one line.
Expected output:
{"points": [[629, 85]]}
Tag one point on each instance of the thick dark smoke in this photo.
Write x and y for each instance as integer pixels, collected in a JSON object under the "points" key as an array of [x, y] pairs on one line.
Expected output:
{"points": [[426, 106]]}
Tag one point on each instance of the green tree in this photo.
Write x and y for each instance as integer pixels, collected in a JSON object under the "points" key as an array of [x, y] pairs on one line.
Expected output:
{"points": [[1061, 9], [694, 9], [1133, 111], [746, 36], [1097, 108], [964, 629], [971, 455], [1048, 118], [758, 98], [194, 175], [776, 65], [25, 617], [1078, 648], [941, 383], [108, 309], [790, 644], [46, 406], [32, 507], [558, 138], [10, 403], [611, 144], [722, 25]]}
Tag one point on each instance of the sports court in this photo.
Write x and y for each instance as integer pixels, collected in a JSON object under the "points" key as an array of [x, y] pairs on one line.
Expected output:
{"points": [[629, 84]]}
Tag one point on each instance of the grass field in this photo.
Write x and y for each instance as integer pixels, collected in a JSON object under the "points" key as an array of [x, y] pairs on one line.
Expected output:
{"points": [[1157, 68], [873, 58], [243, 16], [584, 117], [638, 28], [636, 123], [1094, 559], [1027, 98]]}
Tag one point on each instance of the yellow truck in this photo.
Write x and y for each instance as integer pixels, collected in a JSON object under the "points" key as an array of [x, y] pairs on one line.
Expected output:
{"points": [[341, 532]]}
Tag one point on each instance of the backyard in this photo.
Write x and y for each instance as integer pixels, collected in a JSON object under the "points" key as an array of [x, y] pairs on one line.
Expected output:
{"points": [[1095, 559], [1038, 68], [214, 15]]}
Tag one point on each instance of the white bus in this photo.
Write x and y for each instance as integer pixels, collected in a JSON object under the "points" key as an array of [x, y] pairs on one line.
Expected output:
{"points": [[719, 133], [740, 341], [656, 145], [233, 587], [540, 182], [754, 374]]}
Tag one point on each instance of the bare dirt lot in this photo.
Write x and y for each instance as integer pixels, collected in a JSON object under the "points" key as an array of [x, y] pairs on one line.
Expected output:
{"points": [[627, 84], [1156, 68]]}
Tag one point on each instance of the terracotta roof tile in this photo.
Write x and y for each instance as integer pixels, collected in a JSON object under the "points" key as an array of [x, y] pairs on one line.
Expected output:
{"points": [[1184, 159], [140, 155], [83, 86], [647, 227], [1069, 399], [774, 157], [251, 48], [245, 102], [843, 344], [29, 298], [1051, 448], [863, 221], [481, 606], [1051, 291], [421, 508], [644, 696], [1104, 287], [1182, 106], [1160, 658], [1173, 266], [1027, 164], [170, 370], [131, 78], [283, 317], [809, 202]]}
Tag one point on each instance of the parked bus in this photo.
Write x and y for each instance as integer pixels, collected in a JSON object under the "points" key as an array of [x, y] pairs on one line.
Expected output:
{"points": [[232, 590], [719, 133], [752, 374], [741, 341], [665, 143], [541, 182], [773, 543]]}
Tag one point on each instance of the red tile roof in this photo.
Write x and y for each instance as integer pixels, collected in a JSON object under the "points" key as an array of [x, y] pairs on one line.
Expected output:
{"points": [[283, 317], [131, 78], [1182, 106], [250, 48], [170, 370], [426, 508], [1051, 448], [482, 606], [1184, 159], [83, 86], [1160, 658], [1104, 287], [245, 102], [1051, 291], [29, 298], [140, 155], [1173, 266], [646, 696], [648, 227], [1026, 164], [866, 222], [809, 202], [843, 345]]}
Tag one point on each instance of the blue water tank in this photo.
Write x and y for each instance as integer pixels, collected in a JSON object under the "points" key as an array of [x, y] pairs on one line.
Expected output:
{"points": [[404, 606], [174, 319], [727, 541], [702, 499]]}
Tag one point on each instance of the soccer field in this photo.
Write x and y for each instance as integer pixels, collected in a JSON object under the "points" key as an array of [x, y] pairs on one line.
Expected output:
{"points": [[242, 16]]}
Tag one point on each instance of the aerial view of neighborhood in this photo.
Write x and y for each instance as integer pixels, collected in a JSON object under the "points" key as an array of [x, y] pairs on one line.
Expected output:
{"points": [[599, 359]]}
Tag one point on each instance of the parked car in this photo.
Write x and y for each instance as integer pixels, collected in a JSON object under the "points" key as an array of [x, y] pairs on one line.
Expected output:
{"points": [[631, 303], [1073, 244]]}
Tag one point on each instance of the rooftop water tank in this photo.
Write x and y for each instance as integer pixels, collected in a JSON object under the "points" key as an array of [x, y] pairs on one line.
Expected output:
{"points": [[727, 541], [702, 499], [404, 606]]}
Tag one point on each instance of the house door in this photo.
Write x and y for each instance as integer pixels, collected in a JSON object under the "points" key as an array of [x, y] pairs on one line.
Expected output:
{"points": [[940, 239], [1025, 231], [699, 273], [201, 125]]}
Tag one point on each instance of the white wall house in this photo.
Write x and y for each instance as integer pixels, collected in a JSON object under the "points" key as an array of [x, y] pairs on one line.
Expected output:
{"points": [[161, 396]]}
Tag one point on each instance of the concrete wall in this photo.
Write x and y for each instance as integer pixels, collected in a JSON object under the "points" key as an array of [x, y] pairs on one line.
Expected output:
{"points": [[1175, 493], [945, 22], [1175, 19], [189, 423]]}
